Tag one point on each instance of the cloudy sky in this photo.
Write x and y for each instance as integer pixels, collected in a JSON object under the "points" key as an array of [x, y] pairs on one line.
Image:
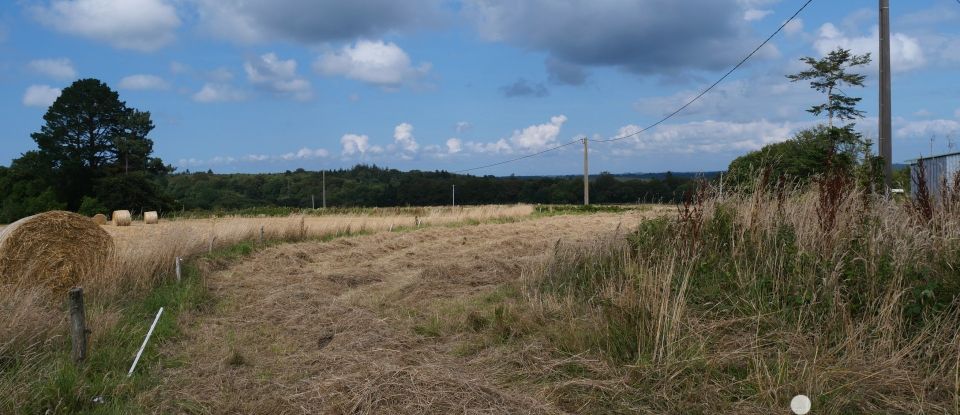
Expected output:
{"points": [[271, 85]]}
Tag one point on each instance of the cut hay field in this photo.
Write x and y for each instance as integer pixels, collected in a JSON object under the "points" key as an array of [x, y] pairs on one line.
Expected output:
{"points": [[35, 371]]}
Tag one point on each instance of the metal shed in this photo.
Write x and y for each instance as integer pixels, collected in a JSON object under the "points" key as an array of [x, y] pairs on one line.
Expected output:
{"points": [[939, 170]]}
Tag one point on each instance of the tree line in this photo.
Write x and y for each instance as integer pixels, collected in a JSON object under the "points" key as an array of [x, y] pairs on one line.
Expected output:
{"points": [[365, 185]]}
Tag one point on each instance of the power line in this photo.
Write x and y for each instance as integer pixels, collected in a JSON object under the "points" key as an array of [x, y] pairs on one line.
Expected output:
{"points": [[669, 116], [709, 88], [520, 158]]}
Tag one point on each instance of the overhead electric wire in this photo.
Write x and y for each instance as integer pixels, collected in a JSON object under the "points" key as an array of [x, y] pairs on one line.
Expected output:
{"points": [[668, 116]]}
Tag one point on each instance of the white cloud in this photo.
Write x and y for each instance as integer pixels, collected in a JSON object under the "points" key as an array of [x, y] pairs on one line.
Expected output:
{"points": [[905, 51], [403, 138], [214, 92], [926, 129], [532, 138], [706, 136], [538, 137], [55, 68], [302, 154], [40, 95], [278, 76], [354, 144], [378, 63], [143, 25], [755, 14], [454, 145], [496, 147], [463, 126], [795, 26], [305, 154], [143, 82]]}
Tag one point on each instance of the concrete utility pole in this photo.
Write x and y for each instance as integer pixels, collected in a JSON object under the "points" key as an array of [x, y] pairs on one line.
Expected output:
{"points": [[323, 175], [454, 195], [886, 146], [586, 174]]}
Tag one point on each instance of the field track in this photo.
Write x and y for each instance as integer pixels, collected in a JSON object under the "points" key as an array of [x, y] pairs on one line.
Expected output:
{"points": [[327, 327]]}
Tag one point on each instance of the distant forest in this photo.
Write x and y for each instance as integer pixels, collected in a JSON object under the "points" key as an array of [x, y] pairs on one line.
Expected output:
{"points": [[375, 186]]}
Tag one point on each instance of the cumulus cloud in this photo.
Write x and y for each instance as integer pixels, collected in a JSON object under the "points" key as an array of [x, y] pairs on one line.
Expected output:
{"points": [[61, 68], [905, 51], [278, 76], [630, 34], [313, 21], [524, 88], [540, 136], [373, 62], [454, 145], [143, 82], [216, 92], [40, 95], [533, 138], [404, 140], [464, 126], [143, 25], [354, 144]]}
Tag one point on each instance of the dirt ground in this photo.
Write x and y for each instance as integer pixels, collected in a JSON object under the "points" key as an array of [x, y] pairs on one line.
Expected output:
{"points": [[326, 327]]}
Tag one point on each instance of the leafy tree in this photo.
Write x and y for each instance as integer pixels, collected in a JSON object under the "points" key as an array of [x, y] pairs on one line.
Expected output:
{"points": [[90, 206], [829, 75], [800, 158], [90, 136]]}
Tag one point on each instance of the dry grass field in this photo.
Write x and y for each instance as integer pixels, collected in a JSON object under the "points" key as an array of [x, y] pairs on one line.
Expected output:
{"points": [[336, 327]]}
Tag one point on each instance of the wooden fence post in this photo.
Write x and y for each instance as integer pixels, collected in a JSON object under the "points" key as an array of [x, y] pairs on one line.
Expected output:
{"points": [[78, 326], [178, 269], [261, 234]]}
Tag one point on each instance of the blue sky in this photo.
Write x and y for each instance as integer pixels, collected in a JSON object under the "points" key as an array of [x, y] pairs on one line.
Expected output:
{"points": [[271, 85]]}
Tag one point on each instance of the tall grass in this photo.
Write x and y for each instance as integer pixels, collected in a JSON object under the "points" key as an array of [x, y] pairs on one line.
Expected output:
{"points": [[737, 305]]}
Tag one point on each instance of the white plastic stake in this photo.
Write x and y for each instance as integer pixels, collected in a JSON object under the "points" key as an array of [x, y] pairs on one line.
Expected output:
{"points": [[178, 269], [145, 340]]}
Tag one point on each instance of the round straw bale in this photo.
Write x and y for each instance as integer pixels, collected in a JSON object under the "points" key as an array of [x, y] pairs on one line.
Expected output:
{"points": [[55, 249], [100, 219], [150, 218], [121, 218]]}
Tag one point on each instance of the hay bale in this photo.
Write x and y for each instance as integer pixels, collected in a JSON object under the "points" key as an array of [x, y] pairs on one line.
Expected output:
{"points": [[121, 218], [100, 219], [55, 249], [151, 218]]}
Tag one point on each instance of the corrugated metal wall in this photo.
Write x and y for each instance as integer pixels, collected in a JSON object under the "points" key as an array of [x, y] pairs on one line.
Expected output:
{"points": [[938, 170]]}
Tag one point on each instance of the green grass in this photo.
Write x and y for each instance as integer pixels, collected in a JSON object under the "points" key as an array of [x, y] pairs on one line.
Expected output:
{"points": [[61, 386]]}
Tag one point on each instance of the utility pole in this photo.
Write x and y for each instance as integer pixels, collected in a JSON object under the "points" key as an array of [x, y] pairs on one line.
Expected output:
{"points": [[313, 202], [586, 174], [886, 145], [454, 195], [323, 174]]}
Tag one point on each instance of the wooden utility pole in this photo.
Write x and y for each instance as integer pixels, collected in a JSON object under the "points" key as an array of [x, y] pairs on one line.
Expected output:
{"points": [[78, 325], [586, 174], [886, 146], [313, 202], [323, 175]]}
